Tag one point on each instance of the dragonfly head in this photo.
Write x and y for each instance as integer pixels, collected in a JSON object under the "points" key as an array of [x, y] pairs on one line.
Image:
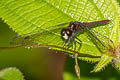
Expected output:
{"points": [[66, 33]]}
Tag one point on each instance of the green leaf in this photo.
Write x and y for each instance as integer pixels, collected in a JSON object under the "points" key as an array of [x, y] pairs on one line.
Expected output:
{"points": [[30, 16], [110, 55], [116, 38], [115, 35], [105, 59], [11, 74]]}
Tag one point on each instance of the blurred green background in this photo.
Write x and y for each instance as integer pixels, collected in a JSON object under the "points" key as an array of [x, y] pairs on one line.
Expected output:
{"points": [[45, 64]]}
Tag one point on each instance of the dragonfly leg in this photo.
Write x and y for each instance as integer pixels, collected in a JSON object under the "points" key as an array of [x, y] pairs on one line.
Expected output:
{"points": [[64, 43], [80, 42], [75, 44], [70, 43], [71, 39]]}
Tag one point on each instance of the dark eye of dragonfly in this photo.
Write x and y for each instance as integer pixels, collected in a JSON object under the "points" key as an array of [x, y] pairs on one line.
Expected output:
{"points": [[66, 33]]}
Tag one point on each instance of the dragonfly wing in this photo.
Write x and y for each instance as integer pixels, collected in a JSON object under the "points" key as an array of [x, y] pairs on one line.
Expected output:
{"points": [[102, 42], [21, 41], [39, 37], [43, 36], [104, 39]]}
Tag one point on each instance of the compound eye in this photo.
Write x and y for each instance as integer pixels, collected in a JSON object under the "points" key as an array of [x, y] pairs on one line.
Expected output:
{"points": [[68, 32], [63, 32], [65, 36]]}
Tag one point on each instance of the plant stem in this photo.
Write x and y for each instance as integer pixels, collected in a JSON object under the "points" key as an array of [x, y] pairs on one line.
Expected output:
{"points": [[77, 68]]}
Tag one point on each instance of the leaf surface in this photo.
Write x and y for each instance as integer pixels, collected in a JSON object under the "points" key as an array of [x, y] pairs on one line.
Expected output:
{"points": [[11, 74], [31, 16]]}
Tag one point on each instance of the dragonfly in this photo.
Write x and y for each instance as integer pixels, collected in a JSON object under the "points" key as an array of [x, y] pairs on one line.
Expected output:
{"points": [[75, 27], [70, 35]]}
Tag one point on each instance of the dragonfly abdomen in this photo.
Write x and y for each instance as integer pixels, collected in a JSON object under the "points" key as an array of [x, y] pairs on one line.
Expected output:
{"points": [[97, 23]]}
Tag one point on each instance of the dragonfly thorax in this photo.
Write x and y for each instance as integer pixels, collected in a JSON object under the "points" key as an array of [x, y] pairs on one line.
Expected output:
{"points": [[66, 33]]}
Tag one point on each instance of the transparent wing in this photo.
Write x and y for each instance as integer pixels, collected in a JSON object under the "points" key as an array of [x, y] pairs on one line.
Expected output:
{"points": [[102, 42], [51, 35]]}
